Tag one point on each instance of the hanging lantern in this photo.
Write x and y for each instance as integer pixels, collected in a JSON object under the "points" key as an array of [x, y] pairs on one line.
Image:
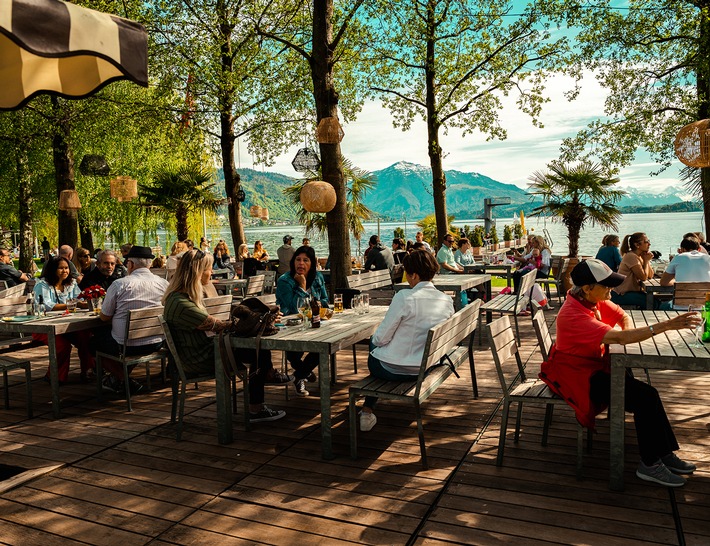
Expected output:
{"points": [[69, 200], [255, 211], [264, 214], [692, 144], [94, 164], [329, 131], [124, 188], [241, 196], [306, 160], [318, 196]]}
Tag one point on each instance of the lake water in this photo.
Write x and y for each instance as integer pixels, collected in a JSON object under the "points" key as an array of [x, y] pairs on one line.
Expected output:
{"points": [[665, 231]]}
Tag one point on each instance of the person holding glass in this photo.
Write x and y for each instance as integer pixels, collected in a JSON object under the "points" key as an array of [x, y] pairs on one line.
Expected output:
{"points": [[56, 288], [397, 346], [302, 281], [636, 267], [578, 368], [260, 252]]}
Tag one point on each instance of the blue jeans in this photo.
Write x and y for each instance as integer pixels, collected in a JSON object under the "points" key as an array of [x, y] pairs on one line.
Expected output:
{"points": [[377, 370]]}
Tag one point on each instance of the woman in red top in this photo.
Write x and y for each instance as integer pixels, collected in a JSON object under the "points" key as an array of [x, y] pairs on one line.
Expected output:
{"points": [[578, 368]]}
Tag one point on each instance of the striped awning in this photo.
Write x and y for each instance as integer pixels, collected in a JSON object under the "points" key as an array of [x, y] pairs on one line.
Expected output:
{"points": [[51, 46]]}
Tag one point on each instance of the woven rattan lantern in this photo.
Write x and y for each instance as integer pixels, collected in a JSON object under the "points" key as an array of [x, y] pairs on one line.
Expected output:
{"points": [[318, 196], [69, 200], [264, 214], [255, 211], [329, 131], [306, 160], [124, 188], [692, 144]]}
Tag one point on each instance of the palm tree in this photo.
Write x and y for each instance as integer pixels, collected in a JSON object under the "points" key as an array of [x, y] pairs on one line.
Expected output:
{"points": [[180, 190], [357, 182], [575, 195]]}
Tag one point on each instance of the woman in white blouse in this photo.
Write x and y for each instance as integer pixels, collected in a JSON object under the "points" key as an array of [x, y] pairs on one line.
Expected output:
{"points": [[397, 346]]}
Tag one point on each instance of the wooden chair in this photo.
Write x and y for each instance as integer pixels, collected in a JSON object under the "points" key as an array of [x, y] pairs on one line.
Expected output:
{"points": [[690, 293], [255, 286], [10, 307], [160, 272], [3, 286], [442, 356], [269, 282], [559, 266], [13, 291], [8, 363], [528, 391], [509, 304], [141, 324]]}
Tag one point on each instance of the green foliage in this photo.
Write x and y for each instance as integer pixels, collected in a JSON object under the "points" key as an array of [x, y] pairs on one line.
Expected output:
{"points": [[494, 235], [399, 233], [358, 182], [575, 195], [518, 230], [507, 233], [429, 228], [476, 237]]}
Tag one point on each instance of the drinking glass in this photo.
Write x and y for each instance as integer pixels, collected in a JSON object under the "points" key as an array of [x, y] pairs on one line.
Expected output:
{"points": [[364, 303], [338, 303], [698, 331], [357, 304], [71, 305], [29, 308], [304, 310]]}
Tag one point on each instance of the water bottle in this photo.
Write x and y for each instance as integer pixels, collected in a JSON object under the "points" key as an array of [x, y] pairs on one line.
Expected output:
{"points": [[41, 311], [706, 317]]}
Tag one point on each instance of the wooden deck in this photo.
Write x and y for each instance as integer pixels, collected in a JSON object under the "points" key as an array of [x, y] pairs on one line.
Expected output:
{"points": [[124, 480]]}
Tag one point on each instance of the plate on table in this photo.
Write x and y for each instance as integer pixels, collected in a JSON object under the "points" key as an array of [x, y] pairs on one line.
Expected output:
{"points": [[19, 318]]}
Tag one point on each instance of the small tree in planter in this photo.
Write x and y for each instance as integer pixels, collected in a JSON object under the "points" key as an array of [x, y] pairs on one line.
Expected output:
{"points": [[518, 231], [507, 235], [476, 238], [494, 238]]}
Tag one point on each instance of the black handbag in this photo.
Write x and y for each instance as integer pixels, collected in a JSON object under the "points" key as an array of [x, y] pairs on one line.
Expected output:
{"points": [[253, 318]]}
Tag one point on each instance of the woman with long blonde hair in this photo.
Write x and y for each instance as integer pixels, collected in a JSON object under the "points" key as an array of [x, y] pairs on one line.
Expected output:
{"points": [[189, 323]]}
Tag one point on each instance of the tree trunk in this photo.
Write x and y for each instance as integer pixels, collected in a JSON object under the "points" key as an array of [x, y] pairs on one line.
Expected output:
{"points": [[24, 184], [87, 238], [703, 90], [326, 99], [226, 119], [64, 173], [438, 178], [182, 226]]}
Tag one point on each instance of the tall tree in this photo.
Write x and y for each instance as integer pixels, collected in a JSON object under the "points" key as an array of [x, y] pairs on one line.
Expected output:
{"points": [[653, 58], [330, 32], [451, 62]]}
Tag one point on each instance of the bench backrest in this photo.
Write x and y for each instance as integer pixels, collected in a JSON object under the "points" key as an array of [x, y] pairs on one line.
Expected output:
{"points": [[143, 323], [504, 346], [3, 285], [12, 306], [370, 280], [446, 335], [219, 307], [542, 332], [269, 282], [526, 283], [690, 293], [255, 286], [160, 272], [13, 291], [561, 269]]}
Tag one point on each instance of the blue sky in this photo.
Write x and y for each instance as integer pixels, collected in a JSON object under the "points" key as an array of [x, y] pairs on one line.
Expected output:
{"points": [[372, 143]]}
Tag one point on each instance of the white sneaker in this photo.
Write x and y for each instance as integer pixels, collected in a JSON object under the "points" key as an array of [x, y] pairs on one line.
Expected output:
{"points": [[367, 421]]}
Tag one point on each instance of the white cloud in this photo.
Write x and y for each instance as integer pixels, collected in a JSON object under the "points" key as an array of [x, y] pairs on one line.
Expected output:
{"points": [[372, 143]]}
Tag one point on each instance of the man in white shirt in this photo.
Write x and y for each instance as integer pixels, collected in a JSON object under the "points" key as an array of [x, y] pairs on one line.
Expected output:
{"points": [[285, 253], [138, 290], [397, 346], [420, 239], [445, 257], [690, 265]]}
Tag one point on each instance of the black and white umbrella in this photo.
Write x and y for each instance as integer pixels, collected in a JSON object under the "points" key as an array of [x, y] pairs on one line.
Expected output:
{"points": [[51, 46]]}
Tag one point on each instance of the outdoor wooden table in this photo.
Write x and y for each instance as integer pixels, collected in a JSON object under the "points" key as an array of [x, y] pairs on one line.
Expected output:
{"points": [[653, 287], [501, 270], [54, 324], [665, 351], [456, 283], [227, 285], [342, 331]]}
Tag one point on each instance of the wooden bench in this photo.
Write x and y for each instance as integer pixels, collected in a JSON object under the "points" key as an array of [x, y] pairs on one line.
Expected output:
{"points": [[527, 391], [14, 291], [11, 307], [141, 324], [442, 356], [509, 304], [690, 293], [373, 282]]}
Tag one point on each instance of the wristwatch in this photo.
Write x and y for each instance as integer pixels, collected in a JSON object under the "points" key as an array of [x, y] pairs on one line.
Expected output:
{"points": [[650, 327]]}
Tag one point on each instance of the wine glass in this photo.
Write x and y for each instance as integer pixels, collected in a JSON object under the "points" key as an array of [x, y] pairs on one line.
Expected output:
{"points": [[698, 331], [304, 308]]}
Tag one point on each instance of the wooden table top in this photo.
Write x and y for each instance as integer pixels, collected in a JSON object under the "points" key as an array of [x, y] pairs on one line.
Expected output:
{"points": [[452, 282]]}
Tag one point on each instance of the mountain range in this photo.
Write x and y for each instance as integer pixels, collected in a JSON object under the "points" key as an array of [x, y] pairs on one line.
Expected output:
{"points": [[405, 189]]}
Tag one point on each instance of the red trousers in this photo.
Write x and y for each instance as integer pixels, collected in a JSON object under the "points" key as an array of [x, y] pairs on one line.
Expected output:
{"points": [[64, 344]]}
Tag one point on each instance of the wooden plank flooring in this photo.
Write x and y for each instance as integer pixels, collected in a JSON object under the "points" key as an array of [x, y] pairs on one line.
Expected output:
{"points": [[125, 481]]}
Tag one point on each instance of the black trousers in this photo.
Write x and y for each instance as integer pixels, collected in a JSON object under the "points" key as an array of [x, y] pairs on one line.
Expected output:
{"points": [[258, 371], [302, 366], [653, 430]]}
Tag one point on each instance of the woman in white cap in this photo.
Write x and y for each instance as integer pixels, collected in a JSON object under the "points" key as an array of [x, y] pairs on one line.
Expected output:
{"points": [[578, 368]]}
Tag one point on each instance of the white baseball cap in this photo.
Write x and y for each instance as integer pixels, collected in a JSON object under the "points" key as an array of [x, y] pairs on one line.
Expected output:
{"points": [[595, 271]]}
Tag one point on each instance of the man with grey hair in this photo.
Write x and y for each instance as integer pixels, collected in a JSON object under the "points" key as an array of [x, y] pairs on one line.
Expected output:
{"points": [[105, 272], [138, 290]]}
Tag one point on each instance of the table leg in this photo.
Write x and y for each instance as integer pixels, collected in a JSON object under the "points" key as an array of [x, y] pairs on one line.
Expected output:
{"points": [[325, 423], [225, 434], [457, 300], [616, 429], [649, 300], [53, 373], [489, 294]]}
